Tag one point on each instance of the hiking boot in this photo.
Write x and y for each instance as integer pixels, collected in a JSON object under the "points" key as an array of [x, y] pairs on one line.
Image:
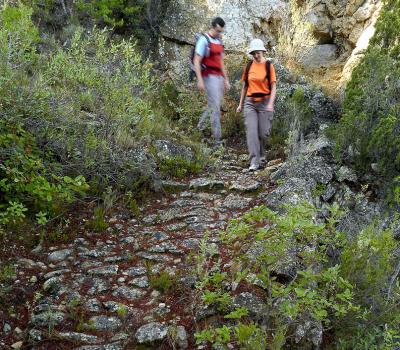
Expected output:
{"points": [[254, 167]]}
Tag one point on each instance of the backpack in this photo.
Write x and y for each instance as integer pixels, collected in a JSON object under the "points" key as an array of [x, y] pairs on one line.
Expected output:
{"points": [[268, 69], [192, 73]]}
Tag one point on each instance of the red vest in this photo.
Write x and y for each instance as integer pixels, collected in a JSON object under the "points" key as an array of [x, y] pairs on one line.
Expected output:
{"points": [[213, 62]]}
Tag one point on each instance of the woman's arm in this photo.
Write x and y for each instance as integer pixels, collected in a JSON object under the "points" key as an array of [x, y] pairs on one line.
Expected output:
{"points": [[271, 102], [242, 96]]}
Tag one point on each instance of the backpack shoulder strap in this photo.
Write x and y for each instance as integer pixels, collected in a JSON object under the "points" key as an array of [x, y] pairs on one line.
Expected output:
{"points": [[268, 69], [246, 72], [207, 38]]}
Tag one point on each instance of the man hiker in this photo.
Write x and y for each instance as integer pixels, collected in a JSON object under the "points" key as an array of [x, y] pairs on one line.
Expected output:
{"points": [[211, 75]]}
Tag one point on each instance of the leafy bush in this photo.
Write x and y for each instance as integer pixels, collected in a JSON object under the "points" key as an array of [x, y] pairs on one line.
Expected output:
{"points": [[26, 183], [101, 87], [369, 128], [346, 294]]}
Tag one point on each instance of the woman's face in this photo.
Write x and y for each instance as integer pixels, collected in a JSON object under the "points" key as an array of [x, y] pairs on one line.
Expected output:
{"points": [[258, 55]]}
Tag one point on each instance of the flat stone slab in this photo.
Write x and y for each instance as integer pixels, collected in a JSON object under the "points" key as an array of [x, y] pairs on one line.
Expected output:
{"points": [[141, 282], [236, 202], [59, 255], [174, 185], [79, 337], [245, 185], [104, 271], [206, 184], [48, 319], [128, 293], [135, 271], [103, 323]]}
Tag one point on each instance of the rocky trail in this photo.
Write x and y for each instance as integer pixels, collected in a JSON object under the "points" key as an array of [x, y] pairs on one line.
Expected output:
{"points": [[104, 291]]}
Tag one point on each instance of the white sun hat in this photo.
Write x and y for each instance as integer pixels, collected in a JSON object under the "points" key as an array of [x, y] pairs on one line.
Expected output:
{"points": [[256, 45]]}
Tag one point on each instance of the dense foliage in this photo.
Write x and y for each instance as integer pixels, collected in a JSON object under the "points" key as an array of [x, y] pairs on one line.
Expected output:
{"points": [[307, 274], [84, 110], [370, 126]]}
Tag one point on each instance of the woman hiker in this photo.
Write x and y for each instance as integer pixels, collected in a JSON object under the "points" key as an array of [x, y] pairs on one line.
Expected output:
{"points": [[257, 100]]}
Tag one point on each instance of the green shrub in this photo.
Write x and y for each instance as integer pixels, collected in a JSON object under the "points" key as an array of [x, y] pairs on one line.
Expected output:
{"points": [[26, 185], [354, 298], [101, 87], [98, 222], [369, 127], [162, 281]]}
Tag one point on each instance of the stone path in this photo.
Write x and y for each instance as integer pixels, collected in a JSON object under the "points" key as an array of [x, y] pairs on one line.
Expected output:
{"points": [[95, 292]]}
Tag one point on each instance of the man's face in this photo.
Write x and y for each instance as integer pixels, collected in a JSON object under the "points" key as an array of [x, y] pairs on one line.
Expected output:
{"points": [[217, 31]]}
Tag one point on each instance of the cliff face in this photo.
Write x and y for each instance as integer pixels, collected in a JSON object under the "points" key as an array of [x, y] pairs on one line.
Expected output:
{"points": [[315, 34]]}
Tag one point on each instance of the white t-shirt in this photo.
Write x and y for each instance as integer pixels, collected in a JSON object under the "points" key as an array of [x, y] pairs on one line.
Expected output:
{"points": [[201, 45]]}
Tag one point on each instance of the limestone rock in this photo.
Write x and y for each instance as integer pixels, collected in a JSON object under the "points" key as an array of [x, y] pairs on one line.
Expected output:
{"points": [[151, 332], [206, 184], [257, 308], [103, 323], [167, 150], [320, 56], [59, 255]]}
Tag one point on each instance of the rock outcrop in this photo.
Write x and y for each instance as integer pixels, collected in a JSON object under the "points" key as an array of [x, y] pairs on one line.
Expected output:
{"points": [[317, 33]]}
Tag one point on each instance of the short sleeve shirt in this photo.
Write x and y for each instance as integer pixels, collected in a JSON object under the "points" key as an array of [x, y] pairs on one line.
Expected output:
{"points": [[201, 45], [256, 79]]}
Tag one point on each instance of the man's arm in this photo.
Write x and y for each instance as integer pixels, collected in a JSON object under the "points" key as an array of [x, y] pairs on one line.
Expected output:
{"points": [[197, 68], [224, 72]]}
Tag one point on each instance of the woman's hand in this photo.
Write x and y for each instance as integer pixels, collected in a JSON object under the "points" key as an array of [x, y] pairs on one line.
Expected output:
{"points": [[270, 107], [239, 109]]}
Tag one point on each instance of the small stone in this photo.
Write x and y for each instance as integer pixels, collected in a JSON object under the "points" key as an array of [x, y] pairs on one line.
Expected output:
{"points": [[17, 345], [37, 249], [121, 279], [98, 286], [78, 337], [115, 306], [6, 328], [151, 332], [142, 282], [55, 273], [93, 305], [128, 240], [120, 336], [35, 335], [59, 255], [155, 294], [53, 285], [33, 279], [182, 337], [206, 184], [128, 293], [274, 162], [135, 271], [103, 323], [48, 319], [18, 332], [345, 173], [245, 185], [104, 271]]}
